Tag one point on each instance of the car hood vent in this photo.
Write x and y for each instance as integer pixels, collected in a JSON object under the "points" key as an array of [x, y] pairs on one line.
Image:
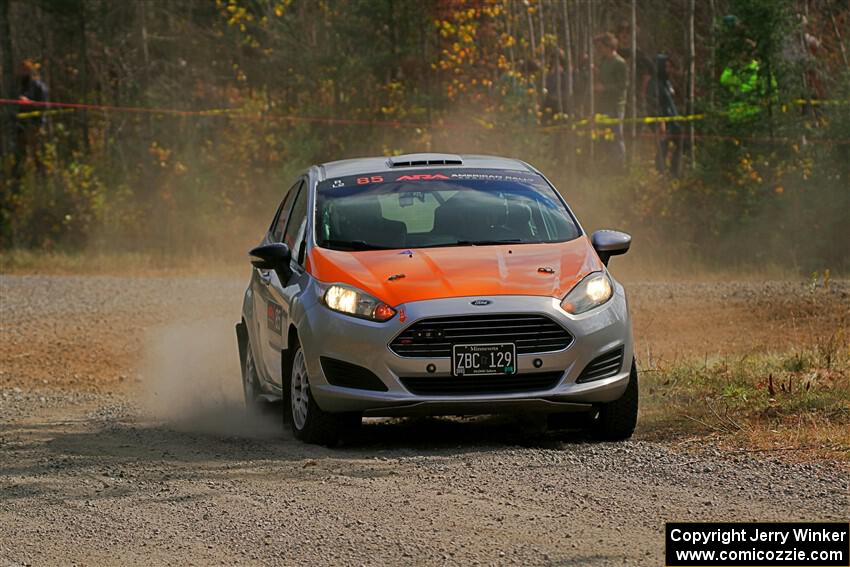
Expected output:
{"points": [[412, 160]]}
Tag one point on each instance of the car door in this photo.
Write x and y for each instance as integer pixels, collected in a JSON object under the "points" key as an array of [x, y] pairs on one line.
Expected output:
{"points": [[269, 293]]}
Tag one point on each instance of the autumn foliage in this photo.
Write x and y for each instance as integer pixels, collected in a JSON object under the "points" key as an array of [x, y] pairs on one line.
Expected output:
{"points": [[268, 87]]}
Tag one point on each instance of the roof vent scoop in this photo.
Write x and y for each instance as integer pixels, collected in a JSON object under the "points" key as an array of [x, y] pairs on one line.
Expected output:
{"points": [[411, 160]]}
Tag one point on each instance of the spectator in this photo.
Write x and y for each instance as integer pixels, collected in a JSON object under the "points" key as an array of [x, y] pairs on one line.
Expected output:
{"points": [[803, 51], [644, 67], [661, 103], [749, 90], [747, 85], [29, 129], [610, 86]]}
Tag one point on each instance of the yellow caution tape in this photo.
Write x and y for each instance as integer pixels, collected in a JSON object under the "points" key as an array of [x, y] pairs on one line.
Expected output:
{"points": [[37, 113], [817, 102]]}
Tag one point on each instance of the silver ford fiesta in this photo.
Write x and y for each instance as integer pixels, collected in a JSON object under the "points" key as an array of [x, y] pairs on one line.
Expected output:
{"points": [[435, 284]]}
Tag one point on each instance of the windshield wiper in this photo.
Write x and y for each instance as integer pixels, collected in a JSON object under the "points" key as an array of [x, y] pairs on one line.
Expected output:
{"points": [[489, 242], [353, 245], [475, 243]]}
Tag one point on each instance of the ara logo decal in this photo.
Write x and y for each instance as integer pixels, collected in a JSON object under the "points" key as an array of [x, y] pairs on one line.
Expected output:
{"points": [[422, 177], [274, 317], [481, 302]]}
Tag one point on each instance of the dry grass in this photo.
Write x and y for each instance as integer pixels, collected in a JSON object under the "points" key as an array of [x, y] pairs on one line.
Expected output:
{"points": [[796, 403]]}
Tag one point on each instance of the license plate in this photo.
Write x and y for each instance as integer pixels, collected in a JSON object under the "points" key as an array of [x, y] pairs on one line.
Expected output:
{"points": [[470, 360]]}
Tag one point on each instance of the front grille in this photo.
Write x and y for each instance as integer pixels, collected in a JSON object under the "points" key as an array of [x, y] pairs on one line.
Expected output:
{"points": [[478, 385], [434, 338], [347, 375], [603, 366]]}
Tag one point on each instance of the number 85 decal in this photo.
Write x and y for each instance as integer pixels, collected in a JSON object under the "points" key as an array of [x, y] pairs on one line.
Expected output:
{"points": [[373, 179]]}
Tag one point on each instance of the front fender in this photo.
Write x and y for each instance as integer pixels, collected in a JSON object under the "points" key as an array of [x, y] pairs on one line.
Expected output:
{"points": [[302, 302]]}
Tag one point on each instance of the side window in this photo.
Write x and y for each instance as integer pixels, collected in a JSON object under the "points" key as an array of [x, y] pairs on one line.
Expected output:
{"points": [[277, 215], [294, 234], [283, 213]]}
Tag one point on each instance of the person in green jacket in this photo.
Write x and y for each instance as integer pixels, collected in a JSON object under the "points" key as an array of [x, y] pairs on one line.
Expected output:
{"points": [[748, 89], [611, 83]]}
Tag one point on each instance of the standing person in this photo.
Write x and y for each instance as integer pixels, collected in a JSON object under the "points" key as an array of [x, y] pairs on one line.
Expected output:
{"points": [[644, 66], [610, 85], [748, 88], [661, 103], [29, 129]]}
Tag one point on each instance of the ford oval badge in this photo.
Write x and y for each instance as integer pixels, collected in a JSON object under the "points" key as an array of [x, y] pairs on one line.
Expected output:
{"points": [[481, 302]]}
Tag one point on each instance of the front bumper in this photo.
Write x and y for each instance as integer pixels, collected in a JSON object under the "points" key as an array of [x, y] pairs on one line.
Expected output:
{"points": [[325, 333]]}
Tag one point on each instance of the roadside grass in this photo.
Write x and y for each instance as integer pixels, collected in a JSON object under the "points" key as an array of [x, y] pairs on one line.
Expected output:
{"points": [[794, 403]]}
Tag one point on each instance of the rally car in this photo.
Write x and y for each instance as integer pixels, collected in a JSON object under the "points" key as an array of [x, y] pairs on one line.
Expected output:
{"points": [[434, 284]]}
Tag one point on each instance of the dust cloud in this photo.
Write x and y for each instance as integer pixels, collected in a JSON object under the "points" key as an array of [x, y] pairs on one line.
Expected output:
{"points": [[191, 380]]}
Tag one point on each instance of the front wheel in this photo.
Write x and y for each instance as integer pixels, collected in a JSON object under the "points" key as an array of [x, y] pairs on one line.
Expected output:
{"points": [[309, 422], [617, 420]]}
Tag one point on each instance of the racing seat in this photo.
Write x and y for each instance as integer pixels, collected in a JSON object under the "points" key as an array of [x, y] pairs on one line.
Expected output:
{"points": [[458, 221], [447, 220], [362, 219]]}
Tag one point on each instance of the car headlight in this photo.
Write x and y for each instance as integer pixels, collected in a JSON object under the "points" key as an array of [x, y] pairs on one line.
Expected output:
{"points": [[352, 301], [592, 291]]}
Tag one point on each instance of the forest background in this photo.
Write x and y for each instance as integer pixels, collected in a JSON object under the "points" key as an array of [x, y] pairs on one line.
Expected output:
{"points": [[197, 114]]}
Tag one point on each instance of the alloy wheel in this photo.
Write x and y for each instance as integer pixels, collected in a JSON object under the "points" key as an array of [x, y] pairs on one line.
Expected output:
{"points": [[299, 392]]}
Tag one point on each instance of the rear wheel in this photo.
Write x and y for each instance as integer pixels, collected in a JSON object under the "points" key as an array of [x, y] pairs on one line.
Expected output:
{"points": [[309, 422], [617, 419]]}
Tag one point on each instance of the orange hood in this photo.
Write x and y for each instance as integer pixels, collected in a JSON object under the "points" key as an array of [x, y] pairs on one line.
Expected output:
{"points": [[433, 273]]}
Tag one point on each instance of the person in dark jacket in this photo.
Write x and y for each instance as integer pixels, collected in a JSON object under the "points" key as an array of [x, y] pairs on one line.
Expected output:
{"points": [[29, 125], [661, 103], [30, 89]]}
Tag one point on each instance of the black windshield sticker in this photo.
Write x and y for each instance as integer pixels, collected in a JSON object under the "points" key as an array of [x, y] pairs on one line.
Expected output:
{"points": [[362, 181]]}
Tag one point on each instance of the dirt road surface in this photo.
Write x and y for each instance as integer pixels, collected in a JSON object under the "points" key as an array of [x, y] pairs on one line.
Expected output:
{"points": [[123, 441]]}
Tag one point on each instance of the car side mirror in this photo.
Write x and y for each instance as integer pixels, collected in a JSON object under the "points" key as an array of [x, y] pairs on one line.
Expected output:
{"points": [[609, 243], [275, 256]]}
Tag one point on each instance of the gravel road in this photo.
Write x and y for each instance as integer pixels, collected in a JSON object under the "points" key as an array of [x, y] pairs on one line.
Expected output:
{"points": [[122, 441]]}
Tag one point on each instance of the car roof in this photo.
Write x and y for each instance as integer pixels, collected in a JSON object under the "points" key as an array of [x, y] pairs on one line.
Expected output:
{"points": [[346, 167]]}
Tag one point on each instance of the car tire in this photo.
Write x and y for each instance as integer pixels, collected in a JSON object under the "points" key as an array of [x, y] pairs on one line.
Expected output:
{"points": [[254, 403], [309, 422], [617, 420]]}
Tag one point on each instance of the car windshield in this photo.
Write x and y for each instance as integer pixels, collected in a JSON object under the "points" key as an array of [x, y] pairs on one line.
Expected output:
{"points": [[426, 209]]}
